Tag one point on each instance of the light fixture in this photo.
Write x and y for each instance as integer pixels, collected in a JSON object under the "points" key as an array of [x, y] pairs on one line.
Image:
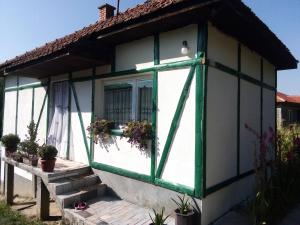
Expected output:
{"points": [[185, 50]]}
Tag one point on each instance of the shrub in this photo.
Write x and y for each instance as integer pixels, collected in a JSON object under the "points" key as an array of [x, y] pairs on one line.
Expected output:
{"points": [[139, 133], [47, 152], [100, 130], [10, 141]]}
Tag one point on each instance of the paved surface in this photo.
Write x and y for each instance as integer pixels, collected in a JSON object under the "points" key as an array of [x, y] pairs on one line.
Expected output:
{"points": [[234, 218], [111, 211]]}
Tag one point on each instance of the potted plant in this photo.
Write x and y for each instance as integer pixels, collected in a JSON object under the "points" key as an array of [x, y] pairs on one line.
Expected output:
{"points": [[30, 146], [48, 155], [100, 130], [184, 212], [138, 133], [10, 142], [159, 218], [17, 156]]}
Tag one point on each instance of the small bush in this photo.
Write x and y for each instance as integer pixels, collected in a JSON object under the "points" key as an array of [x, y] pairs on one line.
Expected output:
{"points": [[10, 141], [47, 152]]}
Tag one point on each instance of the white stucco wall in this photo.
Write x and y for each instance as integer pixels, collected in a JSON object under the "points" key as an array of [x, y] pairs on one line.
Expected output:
{"points": [[269, 75], [39, 95], [268, 109], [24, 112], [11, 81], [137, 54], [179, 167], [250, 114], [171, 42], [220, 202], [82, 73], [250, 63], [222, 48], [221, 136], [84, 95]]}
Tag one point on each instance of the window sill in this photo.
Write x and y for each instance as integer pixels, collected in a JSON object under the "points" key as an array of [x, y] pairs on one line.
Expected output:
{"points": [[116, 132]]}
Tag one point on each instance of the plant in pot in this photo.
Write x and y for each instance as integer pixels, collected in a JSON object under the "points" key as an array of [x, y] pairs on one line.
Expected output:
{"points": [[159, 217], [100, 130], [184, 212], [17, 156], [10, 142], [30, 146], [48, 155], [138, 133]]}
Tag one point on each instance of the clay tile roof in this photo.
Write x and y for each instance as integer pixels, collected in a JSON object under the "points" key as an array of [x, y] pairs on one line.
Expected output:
{"points": [[62, 43], [130, 15], [281, 97]]}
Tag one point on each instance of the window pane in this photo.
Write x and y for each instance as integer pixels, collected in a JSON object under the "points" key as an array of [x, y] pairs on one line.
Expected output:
{"points": [[118, 103], [145, 103]]}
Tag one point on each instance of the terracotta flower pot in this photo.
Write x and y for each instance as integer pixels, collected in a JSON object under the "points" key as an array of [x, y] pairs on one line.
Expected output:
{"points": [[48, 165], [184, 219]]}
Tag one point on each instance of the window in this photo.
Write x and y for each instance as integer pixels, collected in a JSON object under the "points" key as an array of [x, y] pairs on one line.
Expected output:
{"points": [[130, 100]]}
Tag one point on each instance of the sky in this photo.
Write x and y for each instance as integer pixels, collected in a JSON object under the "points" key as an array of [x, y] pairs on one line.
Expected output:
{"points": [[25, 25]]}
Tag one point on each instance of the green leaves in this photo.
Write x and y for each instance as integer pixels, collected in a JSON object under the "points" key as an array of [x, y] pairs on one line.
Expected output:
{"points": [[159, 218], [184, 205]]}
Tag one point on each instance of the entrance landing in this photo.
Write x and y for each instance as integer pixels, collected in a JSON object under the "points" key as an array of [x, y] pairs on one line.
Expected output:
{"points": [[111, 211]]}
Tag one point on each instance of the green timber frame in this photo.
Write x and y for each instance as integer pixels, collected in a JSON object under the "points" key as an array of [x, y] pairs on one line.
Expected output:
{"points": [[198, 68]]}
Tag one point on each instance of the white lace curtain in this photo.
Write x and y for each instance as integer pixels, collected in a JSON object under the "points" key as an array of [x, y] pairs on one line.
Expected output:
{"points": [[58, 132]]}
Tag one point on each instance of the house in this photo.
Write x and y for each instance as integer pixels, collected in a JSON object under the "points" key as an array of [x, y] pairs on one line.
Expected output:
{"points": [[204, 68], [288, 109]]}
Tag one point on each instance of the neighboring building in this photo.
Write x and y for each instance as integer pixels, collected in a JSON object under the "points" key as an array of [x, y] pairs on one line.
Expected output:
{"points": [[288, 109], [200, 70]]}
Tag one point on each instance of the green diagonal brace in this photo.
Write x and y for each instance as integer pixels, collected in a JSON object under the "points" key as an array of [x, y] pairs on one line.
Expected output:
{"points": [[175, 122], [42, 109], [81, 122]]}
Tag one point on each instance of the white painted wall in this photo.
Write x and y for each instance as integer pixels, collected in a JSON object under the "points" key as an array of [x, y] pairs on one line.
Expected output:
{"points": [[28, 80], [39, 94], [269, 75], [268, 109], [221, 136], [24, 112], [11, 81], [179, 167], [250, 114], [222, 48], [171, 42], [77, 147], [220, 202], [82, 73], [137, 54], [250, 62]]}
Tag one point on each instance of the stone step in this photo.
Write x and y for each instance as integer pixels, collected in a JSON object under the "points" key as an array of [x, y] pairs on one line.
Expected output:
{"points": [[69, 184], [51, 177], [68, 199]]}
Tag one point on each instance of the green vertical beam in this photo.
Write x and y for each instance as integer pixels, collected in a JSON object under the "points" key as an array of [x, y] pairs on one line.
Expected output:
{"points": [[81, 122], [92, 114], [17, 106], [69, 114], [175, 122], [48, 107], [32, 104], [238, 110], [200, 111], [154, 108]]}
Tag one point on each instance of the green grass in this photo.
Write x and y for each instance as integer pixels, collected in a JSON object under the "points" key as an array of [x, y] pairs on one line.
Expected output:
{"points": [[10, 217]]}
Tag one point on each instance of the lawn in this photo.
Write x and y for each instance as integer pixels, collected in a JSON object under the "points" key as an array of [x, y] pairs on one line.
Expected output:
{"points": [[10, 217]]}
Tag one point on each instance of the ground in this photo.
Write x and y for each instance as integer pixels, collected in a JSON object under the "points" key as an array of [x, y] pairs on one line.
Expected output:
{"points": [[27, 207]]}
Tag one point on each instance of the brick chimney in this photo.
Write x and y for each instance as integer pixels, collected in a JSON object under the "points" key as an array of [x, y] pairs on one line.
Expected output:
{"points": [[106, 11]]}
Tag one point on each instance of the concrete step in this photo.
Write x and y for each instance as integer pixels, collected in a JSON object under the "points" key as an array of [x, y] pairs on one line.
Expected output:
{"points": [[83, 194], [51, 177], [69, 184]]}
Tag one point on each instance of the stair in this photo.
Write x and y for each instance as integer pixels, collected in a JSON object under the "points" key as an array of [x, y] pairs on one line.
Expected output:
{"points": [[73, 186]]}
